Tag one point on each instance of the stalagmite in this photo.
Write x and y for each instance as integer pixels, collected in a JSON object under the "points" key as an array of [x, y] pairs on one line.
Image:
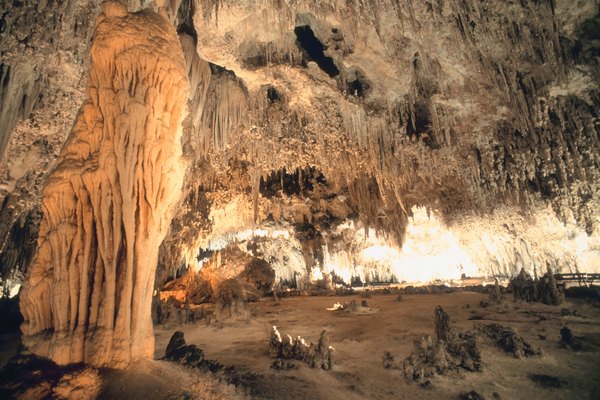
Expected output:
{"points": [[108, 203]]}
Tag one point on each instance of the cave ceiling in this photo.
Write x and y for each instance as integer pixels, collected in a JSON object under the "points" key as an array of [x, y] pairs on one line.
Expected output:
{"points": [[482, 116]]}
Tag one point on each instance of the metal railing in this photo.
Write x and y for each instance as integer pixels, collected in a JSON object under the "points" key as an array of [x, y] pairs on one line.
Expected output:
{"points": [[583, 278]]}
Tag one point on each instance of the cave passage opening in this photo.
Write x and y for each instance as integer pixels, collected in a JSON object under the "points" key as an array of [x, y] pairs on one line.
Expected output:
{"points": [[314, 50]]}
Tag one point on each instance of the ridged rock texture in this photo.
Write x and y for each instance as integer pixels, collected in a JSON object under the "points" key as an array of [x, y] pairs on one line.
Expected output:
{"points": [[461, 124], [44, 47], [107, 205], [368, 139]]}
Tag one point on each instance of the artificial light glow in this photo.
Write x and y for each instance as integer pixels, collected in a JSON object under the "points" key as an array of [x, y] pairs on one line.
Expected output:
{"points": [[431, 251], [316, 274]]}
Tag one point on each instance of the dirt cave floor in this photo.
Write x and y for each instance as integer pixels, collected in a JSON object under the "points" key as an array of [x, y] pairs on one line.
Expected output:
{"points": [[360, 340]]}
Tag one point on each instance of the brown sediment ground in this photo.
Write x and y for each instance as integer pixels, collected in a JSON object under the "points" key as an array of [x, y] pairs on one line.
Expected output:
{"points": [[360, 340], [157, 379]]}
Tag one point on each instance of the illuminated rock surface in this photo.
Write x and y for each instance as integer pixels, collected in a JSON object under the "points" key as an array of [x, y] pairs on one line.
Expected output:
{"points": [[107, 204], [456, 137], [343, 143], [435, 131]]}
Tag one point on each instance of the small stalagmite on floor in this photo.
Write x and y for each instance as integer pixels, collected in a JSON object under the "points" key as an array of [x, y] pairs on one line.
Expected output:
{"points": [[545, 289], [451, 351], [284, 347], [509, 340], [108, 203]]}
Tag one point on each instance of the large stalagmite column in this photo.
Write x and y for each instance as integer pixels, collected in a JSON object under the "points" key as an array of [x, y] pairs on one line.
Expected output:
{"points": [[108, 204]]}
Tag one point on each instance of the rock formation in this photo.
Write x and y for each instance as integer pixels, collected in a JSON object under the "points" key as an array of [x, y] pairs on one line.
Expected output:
{"points": [[568, 340], [189, 355], [544, 289], [451, 351], [108, 203], [319, 355], [254, 275], [389, 140], [85, 385], [380, 112], [27, 376], [509, 340], [43, 50]]}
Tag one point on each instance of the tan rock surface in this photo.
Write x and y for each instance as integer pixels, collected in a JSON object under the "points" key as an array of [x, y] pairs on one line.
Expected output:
{"points": [[81, 385], [107, 205]]}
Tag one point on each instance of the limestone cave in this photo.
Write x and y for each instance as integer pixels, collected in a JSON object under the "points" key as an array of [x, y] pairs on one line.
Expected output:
{"points": [[302, 199]]}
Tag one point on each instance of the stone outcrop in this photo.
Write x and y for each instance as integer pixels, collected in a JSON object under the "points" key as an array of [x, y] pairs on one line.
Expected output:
{"points": [[456, 350], [544, 289], [284, 347], [84, 385], [451, 351], [229, 279], [569, 341], [108, 202], [189, 355], [509, 340]]}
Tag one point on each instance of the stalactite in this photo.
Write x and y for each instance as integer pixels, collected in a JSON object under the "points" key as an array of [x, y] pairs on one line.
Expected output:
{"points": [[461, 129]]}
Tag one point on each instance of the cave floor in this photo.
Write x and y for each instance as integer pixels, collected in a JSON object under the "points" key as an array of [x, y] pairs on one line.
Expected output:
{"points": [[360, 340]]}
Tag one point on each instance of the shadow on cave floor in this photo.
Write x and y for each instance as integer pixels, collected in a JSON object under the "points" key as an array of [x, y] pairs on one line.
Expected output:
{"points": [[153, 379], [10, 334]]}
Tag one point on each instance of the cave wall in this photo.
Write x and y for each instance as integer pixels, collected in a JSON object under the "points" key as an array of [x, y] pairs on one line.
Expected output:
{"points": [[44, 48], [471, 109], [484, 113], [107, 204], [467, 105]]}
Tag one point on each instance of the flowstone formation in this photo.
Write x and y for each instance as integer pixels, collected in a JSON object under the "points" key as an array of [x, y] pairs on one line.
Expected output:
{"points": [[108, 203]]}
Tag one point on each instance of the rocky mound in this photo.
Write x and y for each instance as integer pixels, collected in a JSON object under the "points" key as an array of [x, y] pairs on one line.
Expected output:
{"points": [[319, 355]]}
